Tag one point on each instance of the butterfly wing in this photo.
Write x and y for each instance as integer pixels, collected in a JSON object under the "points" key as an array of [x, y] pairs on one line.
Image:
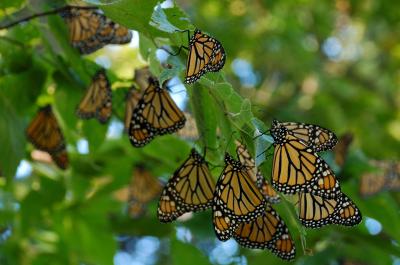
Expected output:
{"points": [[372, 183], [189, 131], [315, 137], [297, 168], [44, 132], [224, 226], [143, 189], [205, 54], [267, 231], [97, 101], [132, 99], [191, 188]]}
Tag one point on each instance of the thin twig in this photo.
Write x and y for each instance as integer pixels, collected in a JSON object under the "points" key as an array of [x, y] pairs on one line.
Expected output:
{"points": [[51, 12]]}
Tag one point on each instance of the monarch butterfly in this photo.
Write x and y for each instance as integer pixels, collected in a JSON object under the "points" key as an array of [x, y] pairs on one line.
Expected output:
{"points": [[132, 99], [155, 114], [297, 167], [97, 101], [316, 211], [236, 199], [386, 178], [206, 54], [90, 30], [142, 189], [190, 189], [315, 137], [267, 231], [255, 174], [341, 149], [45, 134], [189, 132]]}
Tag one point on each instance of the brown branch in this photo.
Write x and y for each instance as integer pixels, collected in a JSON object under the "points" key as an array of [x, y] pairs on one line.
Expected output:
{"points": [[51, 12]]}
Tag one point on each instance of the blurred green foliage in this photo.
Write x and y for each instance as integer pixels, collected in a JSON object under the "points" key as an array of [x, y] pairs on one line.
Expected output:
{"points": [[332, 63]]}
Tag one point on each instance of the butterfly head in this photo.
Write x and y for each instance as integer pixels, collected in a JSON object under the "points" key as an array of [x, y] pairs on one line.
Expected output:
{"points": [[278, 131]]}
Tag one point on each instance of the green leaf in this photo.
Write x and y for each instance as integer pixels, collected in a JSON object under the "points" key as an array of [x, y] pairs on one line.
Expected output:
{"points": [[134, 14], [12, 138]]}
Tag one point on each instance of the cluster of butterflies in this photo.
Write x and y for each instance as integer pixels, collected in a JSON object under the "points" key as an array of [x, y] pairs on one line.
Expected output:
{"points": [[241, 199]]}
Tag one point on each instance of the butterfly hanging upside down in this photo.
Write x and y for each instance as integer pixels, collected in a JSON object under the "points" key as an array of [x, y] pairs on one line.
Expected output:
{"points": [[190, 189], [155, 114], [296, 165], [97, 102], [45, 134], [89, 30]]}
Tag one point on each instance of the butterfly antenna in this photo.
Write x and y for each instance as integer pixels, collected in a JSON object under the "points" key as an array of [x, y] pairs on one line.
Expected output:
{"points": [[266, 150]]}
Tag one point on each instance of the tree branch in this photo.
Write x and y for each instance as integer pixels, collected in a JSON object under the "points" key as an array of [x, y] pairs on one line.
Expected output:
{"points": [[51, 12]]}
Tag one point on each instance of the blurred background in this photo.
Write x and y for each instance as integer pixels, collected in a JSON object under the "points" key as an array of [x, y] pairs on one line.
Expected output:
{"points": [[331, 63]]}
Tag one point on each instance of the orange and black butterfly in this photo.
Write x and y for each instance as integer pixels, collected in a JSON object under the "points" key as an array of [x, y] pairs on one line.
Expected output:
{"points": [[89, 30], [132, 99], [341, 149], [296, 165], [386, 177], [45, 134], [267, 231], [206, 54], [190, 189], [142, 189], [97, 101], [316, 211], [247, 160], [237, 199], [155, 114]]}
